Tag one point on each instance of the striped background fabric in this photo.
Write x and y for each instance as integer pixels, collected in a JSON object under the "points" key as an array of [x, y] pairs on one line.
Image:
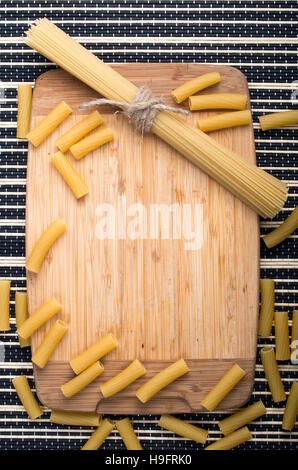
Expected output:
{"points": [[259, 38]]}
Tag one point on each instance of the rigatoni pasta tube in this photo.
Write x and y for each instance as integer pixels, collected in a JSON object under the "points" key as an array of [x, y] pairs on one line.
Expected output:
{"points": [[24, 110], [123, 379], [43, 245], [232, 440], [99, 435], [21, 312], [291, 409], [49, 123], [283, 231], [242, 417], [92, 142], [218, 101], [38, 318], [272, 374], [180, 427], [4, 305], [225, 120], [294, 337], [223, 387], [70, 175], [26, 396], [72, 418], [274, 120], [78, 131], [282, 340], [75, 385], [161, 380], [92, 354], [128, 434], [267, 307], [193, 86], [46, 348]]}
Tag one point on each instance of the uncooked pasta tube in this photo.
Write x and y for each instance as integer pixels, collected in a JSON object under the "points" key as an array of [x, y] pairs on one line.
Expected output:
{"points": [[99, 435], [272, 374], [38, 318], [21, 312], [242, 417], [223, 387], [222, 121], [26, 396], [123, 379], [180, 427], [24, 110], [294, 337], [291, 409], [267, 307], [128, 434], [282, 341], [218, 101], [161, 380], [75, 385], [4, 305], [284, 118], [92, 354], [92, 142], [70, 175], [72, 418], [232, 440], [78, 131], [52, 338], [43, 245], [49, 123], [193, 86], [283, 231]]}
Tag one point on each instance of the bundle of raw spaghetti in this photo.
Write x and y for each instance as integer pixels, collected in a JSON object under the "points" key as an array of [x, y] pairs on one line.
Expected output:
{"points": [[259, 190]]}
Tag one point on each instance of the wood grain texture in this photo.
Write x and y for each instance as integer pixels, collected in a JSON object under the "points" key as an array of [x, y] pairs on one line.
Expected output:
{"points": [[161, 301]]}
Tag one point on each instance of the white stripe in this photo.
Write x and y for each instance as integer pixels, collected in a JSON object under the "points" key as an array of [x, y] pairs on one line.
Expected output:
{"points": [[153, 9], [152, 21]]}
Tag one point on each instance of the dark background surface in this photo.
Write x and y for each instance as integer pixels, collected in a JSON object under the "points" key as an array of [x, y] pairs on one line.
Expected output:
{"points": [[259, 38]]}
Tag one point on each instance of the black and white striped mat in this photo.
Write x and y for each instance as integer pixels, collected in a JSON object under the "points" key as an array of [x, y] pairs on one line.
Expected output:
{"points": [[258, 37]]}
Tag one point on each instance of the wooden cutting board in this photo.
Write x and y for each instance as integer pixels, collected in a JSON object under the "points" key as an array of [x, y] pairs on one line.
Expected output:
{"points": [[161, 299]]}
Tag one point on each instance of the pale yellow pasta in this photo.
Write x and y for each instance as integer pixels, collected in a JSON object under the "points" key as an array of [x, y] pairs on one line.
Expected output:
{"points": [[274, 120], [128, 434], [161, 380], [283, 231], [70, 175], [48, 124], [193, 86], [38, 318], [282, 340], [43, 245], [180, 427], [72, 418], [232, 440], [294, 336], [272, 374], [92, 354], [242, 417], [26, 396], [99, 435], [223, 387], [225, 120], [78, 131], [46, 348], [123, 379], [21, 312], [267, 307], [218, 101], [24, 110], [91, 142], [291, 409], [4, 305], [75, 385]]}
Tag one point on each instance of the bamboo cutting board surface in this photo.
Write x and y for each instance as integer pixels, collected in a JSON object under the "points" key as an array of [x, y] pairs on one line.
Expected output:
{"points": [[161, 301]]}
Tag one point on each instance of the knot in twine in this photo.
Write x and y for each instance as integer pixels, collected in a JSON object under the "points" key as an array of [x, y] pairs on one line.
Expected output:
{"points": [[141, 111]]}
